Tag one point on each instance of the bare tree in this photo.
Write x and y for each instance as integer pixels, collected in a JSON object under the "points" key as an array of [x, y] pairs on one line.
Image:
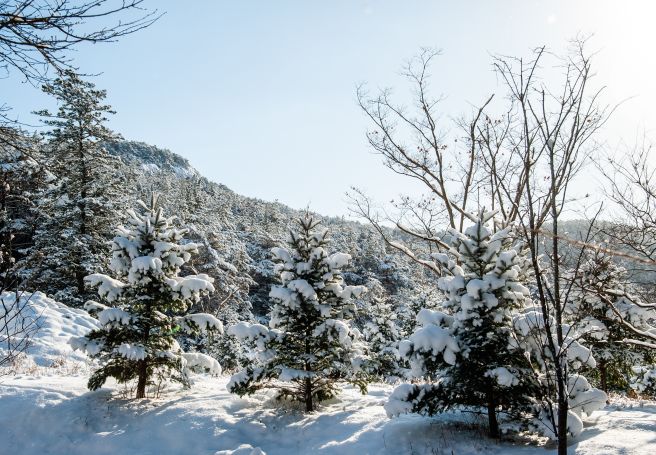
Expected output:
{"points": [[520, 163], [631, 186], [37, 35]]}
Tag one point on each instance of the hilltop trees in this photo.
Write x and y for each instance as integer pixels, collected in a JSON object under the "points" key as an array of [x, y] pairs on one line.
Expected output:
{"points": [[149, 304], [310, 344]]}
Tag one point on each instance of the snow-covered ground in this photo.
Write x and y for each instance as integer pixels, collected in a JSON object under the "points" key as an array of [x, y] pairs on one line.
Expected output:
{"points": [[46, 409], [57, 415]]}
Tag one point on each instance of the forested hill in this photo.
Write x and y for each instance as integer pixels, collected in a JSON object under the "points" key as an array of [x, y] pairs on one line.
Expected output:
{"points": [[237, 233]]}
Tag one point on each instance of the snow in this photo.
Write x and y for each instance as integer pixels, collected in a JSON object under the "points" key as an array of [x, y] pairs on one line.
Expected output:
{"points": [[114, 315], [399, 402], [141, 265], [337, 260], [52, 324], [304, 288], [290, 374], [435, 340], [282, 254], [191, 286], [503, 377], [244, 449], [108, 288], [645, 377], [93, 306], [202, 361], [51, 413], [132, 351], [257, 334], [284, 295], [438, 318], [57, 415], [204, 322]]}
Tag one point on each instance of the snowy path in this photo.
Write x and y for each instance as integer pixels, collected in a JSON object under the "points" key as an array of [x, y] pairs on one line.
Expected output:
{"points": [[56, 415]]}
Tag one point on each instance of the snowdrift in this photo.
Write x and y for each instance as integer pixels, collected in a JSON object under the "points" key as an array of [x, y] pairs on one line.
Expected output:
{"points": [[49, 327]]}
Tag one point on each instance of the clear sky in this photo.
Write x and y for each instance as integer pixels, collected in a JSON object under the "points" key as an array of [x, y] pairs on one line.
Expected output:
{"points": [[260, 95]]}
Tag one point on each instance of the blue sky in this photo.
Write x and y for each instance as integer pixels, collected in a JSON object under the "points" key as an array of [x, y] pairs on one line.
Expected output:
{"points": [[260, 95]]}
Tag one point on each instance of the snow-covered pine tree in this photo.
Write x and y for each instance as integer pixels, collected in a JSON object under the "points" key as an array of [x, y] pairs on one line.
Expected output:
{"points": [[78, 209], [380, 329], [603, 326], [643, 380], [224, 259], [149, 304], [310, 344], [466, 352]]}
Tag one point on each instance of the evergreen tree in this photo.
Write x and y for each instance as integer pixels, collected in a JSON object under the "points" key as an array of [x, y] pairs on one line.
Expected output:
{"points": [[150, 301], [604, 327], [310, 344], [79, 207], [224, 259], [380, 330], [643, 380], [471, 354]]}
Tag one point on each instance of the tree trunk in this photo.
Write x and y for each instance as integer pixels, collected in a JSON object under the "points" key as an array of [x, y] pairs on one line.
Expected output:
{"points": [[79, 278], [603, 373], [143, 376], [563, 407], [493, 424], [309, 405]]}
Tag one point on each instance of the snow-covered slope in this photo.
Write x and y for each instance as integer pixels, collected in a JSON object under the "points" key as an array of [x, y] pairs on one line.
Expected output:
{"points": [[49, 325]]}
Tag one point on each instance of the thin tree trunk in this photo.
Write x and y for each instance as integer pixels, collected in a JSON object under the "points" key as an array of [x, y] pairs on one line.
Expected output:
{"points": [[84, 182], [562, 422], [603, 373], [143, 364], [492, 421], [143, 376], [79, 278], [309, 405]]}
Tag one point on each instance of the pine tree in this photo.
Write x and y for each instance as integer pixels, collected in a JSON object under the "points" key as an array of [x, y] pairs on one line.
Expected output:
{"points": [[149, 304], [466, 350], [224, 259], [79, 206], [471, 353], [603, 327], [310, 345], [380, 329]]}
